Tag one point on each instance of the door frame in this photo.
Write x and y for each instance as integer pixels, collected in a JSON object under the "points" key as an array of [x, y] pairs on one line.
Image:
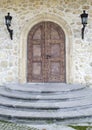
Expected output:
{"points": [[23, 45]]}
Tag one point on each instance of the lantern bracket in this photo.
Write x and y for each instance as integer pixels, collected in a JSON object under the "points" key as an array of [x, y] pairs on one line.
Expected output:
{"points": [[8, 19]]}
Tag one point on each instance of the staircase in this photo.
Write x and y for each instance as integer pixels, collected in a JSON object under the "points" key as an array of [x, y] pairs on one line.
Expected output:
{"points": [[46, 103]]}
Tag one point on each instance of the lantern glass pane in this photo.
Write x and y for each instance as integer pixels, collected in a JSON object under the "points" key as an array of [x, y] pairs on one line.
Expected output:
{"points": [[84, 20], [8, 21]]}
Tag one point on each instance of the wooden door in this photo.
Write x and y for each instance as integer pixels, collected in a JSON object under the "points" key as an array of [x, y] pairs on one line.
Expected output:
{"points": [[46, 53]]}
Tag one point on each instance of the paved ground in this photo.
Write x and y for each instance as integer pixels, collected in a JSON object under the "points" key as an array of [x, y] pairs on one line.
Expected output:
{"points": [[52, 127], [12, 126]]}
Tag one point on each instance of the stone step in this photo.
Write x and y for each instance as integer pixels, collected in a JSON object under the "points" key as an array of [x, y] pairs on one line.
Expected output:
{"points": [[60, 121], [44, 109], [46, 104], [65, 97], [45, 96], [44, 87], [46, 115]]}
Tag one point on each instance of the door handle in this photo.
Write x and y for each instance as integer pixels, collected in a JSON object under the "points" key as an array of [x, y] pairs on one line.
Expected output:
{"points": [[48, 56]]}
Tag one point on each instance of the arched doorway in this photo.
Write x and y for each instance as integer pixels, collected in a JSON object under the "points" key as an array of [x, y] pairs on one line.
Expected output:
{"points": [[46, 53]]}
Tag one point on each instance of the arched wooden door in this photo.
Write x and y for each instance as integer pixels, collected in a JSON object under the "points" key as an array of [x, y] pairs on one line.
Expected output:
{"points": [[46, 53]]}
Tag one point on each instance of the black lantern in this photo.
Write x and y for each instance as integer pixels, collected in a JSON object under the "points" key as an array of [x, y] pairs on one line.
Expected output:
{"points": [[84, 17], [8, 19]]}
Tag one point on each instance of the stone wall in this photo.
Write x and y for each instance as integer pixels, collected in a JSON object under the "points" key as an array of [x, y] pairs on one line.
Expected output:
{"points": [[23, 11]]}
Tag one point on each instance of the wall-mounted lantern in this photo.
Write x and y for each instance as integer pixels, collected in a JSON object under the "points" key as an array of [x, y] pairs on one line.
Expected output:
{"points": [[8, 19], [84, 18]]}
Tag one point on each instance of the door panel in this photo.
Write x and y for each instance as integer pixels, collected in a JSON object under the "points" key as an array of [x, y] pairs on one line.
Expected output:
{"points": [[37, 50], [37, 34], [54, 72], [46, 53], [54, 33], [55, 50], [36, 70]]}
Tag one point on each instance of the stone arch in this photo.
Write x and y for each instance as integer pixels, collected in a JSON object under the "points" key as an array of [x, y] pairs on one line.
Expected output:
{"points": [[23, 45]]}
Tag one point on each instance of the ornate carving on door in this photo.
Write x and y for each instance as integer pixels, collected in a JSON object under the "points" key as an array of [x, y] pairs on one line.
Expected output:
{"points": [[46, 53]]}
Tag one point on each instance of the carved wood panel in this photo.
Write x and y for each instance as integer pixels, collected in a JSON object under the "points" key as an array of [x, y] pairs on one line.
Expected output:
{"points": [[46, 53]]}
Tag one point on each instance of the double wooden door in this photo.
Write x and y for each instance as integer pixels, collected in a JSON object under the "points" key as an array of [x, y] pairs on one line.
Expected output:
{"points": [[46, 53]]}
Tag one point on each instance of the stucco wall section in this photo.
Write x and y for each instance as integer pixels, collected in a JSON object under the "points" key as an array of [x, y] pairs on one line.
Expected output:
{"points": [[23, 11]]}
